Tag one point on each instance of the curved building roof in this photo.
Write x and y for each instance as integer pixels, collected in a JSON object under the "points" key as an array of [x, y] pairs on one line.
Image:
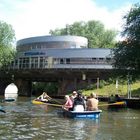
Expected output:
{"points": [[41, 39]]}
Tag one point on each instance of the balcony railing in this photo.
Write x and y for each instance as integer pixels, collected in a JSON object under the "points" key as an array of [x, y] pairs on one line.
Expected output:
{"points": [[47, 63]]}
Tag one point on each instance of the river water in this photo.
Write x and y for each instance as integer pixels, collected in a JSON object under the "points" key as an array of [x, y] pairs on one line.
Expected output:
{"points": [[26, 121]]}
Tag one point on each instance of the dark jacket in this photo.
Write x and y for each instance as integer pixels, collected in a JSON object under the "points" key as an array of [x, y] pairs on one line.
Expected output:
{"points": [[79, 101]]}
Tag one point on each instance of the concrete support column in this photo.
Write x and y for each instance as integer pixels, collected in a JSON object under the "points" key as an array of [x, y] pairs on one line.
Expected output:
{"points": [[3, 84], [62, 87], [67, 85], [89, 81], [75, 84], [24, 87]]}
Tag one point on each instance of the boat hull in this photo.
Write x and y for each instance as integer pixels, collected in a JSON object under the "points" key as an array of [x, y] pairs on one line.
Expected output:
{"points": [[85, 114], [37, 102]]}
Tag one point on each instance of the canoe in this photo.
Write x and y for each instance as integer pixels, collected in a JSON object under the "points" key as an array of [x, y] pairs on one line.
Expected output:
{"points": [[38, 102], [50, 102], [84, 114], [44, 98]]}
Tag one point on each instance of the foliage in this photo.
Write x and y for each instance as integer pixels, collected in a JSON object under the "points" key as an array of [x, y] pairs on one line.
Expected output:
{"points": [[40, 87], [127, 53], [94, 31], [7, 37], [6, 56], [109, 89]]}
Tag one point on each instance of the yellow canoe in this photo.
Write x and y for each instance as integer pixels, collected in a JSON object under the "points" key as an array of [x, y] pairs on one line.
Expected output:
{"points": [[38, 102]]}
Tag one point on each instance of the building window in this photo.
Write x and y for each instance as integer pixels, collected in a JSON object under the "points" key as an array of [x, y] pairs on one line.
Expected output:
{"points": [[61, 61], [68, 61], [34, 62], [42, 61]]}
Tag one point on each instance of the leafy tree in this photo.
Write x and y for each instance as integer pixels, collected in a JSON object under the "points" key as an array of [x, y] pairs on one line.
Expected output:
{"points": [[50, 87], [94, 31], [7, 38], [127, 52]]}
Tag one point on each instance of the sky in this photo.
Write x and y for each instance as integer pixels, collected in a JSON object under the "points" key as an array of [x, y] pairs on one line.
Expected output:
{"points": [[37, 17]]}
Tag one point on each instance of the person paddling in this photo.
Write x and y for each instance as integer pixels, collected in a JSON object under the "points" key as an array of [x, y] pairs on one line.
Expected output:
{"points": [[68, 104], [92, 103]]}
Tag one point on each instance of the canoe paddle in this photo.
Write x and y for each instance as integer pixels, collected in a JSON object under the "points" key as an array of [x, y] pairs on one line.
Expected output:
{"points": [[53, 99], [56, 105], [117, 103]]}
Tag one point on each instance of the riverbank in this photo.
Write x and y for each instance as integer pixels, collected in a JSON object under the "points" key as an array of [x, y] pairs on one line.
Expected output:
{"points": [[107, 89]]}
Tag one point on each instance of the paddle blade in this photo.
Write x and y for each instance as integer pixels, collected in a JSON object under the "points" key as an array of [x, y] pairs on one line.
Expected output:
{"points": [[111, 104], [119, 103]]}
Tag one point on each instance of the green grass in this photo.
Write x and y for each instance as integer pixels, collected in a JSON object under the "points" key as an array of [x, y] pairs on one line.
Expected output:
{"points": [[109, 89]]}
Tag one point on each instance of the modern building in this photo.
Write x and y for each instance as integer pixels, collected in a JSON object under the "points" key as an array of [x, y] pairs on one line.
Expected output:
{"points": [[60, 52], [63, 59]]}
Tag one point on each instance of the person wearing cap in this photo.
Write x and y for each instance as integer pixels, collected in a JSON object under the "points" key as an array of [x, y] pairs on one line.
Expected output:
{"points": [[73, 96], [92, 103], [68, 104]]}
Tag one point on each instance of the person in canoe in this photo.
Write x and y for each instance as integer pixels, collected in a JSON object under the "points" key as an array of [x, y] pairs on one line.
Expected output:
{"points": [[68, 104], [118, 98], [44, 97], [112, 99], [92, 103], [79, 103]]}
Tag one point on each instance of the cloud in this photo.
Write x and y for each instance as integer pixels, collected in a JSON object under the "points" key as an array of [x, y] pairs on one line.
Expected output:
{"points": [[37, 17]]}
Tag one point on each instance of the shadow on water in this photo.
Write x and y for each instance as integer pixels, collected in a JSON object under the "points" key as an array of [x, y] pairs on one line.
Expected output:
{"points": [[24, 120]]}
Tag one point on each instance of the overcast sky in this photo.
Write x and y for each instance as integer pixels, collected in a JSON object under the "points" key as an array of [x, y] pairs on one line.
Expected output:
{"points": [[36, 17]]}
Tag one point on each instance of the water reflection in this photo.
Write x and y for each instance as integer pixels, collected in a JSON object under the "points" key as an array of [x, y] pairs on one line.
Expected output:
{"points": [[23, 120]]}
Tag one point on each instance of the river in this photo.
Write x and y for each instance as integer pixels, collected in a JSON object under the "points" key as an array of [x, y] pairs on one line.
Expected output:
{"points": [[26, 121]]}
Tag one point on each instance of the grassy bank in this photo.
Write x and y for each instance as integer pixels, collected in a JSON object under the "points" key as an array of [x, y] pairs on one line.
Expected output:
{"points": [[109, 89]]}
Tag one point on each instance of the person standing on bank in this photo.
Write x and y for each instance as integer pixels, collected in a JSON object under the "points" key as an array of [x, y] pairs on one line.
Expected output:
{"points": [[92, 103], [79, 104]]}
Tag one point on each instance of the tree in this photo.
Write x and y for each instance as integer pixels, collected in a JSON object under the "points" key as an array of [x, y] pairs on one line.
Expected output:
{"points": [[94, 31], [127, 53], [7, 38]]}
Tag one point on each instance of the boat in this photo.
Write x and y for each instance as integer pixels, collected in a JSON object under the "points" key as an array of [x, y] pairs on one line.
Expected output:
{"points": [[115, 102], [45, 99], [84, 114], [38, 102]]}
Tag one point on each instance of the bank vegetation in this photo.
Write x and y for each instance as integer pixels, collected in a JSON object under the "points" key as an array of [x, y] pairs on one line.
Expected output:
{"points": [[106, 89]]}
